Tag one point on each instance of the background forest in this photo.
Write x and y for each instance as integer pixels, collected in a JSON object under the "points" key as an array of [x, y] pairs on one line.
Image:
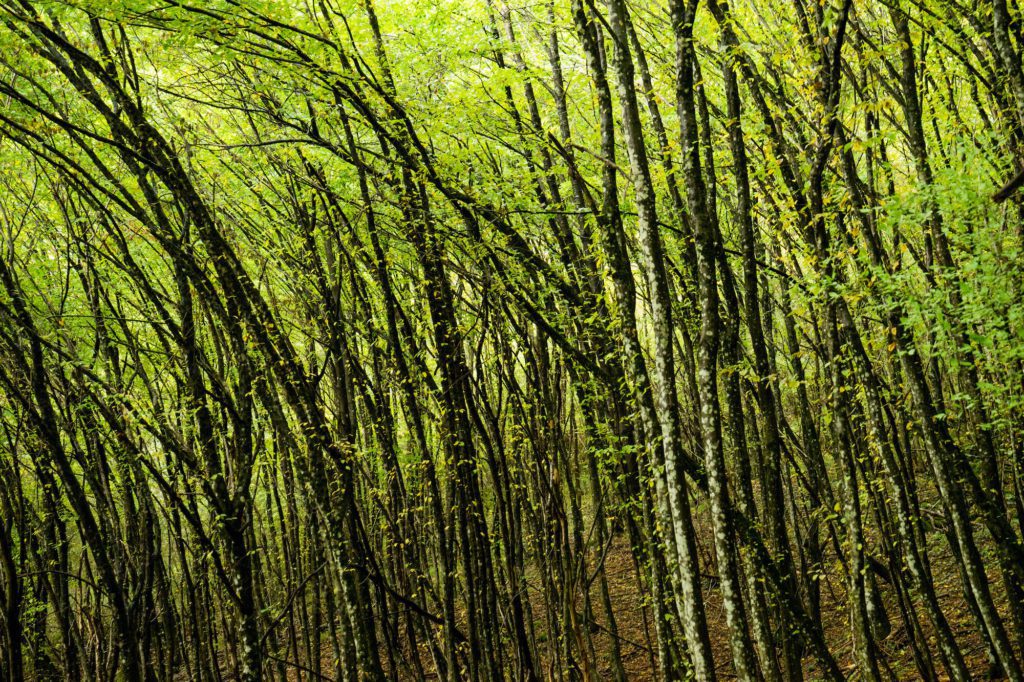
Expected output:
{"points": [[511, 339]]}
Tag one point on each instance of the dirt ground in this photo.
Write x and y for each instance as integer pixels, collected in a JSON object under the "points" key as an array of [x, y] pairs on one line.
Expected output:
{"points": [[636, 630]]}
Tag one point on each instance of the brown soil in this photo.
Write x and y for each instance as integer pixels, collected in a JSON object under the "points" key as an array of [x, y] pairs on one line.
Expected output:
{"points": [[636, 632]]}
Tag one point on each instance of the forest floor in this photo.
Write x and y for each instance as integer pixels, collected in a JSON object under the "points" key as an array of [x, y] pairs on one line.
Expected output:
{"points": [[835, 621], [634, 623]]}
